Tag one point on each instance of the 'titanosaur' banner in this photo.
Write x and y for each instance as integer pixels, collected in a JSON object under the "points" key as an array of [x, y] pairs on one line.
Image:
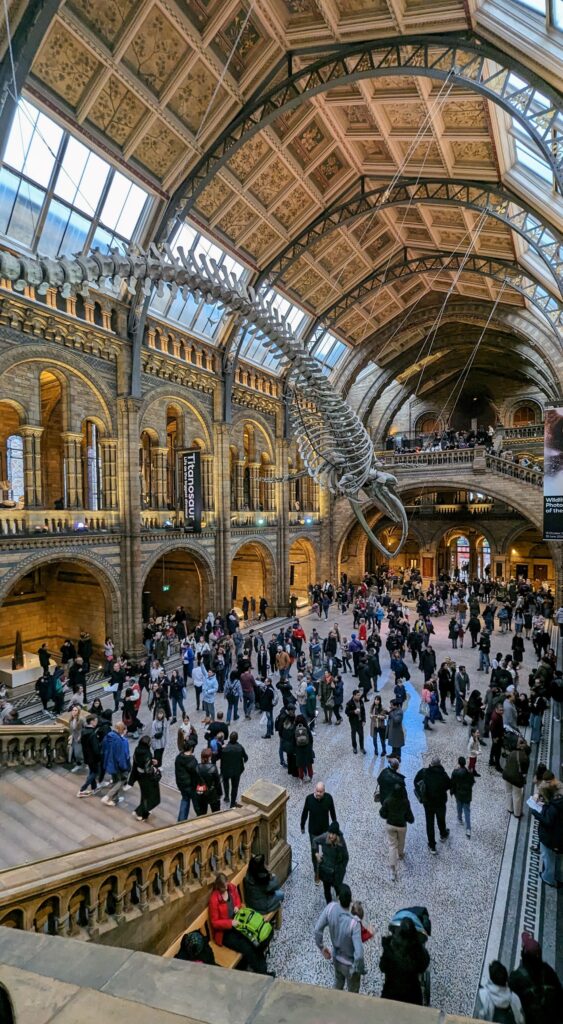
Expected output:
{"points": [[553, 475], [191, 478]]}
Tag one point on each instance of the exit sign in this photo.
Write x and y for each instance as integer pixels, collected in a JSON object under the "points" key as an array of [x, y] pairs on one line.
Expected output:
{"points": [[165, 587]]}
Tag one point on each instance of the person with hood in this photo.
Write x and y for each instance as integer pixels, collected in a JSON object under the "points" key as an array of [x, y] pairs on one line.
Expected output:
{"points": [[356, 713], [496, 998], [92, 755], [143, 772], [432, 786], [395, 733], [403, 960], [345, 932], [116, 762], [397, 812], [262, 890], [332, 857], [285, 728], [303, 748], [536, 984]]}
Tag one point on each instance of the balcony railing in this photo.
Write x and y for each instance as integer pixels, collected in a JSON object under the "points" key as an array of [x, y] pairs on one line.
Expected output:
{"points": [[536, 431], [304, 518], [455, 457], [34, 522], [164, 519], [512, 469], [24, 745], [90, 892], [252, 520]]}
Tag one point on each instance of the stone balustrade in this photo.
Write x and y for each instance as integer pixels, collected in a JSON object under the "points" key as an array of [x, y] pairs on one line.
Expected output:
{"points": [[536, 431], [464, 457], [33, 522], [253, 520], [304, 518], [145, 888], [163, 519], [22, 746], [514, 470]]}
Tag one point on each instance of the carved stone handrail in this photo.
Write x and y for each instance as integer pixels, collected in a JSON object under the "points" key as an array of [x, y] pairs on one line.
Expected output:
{"points": [[512, 469], [536, 431], [92, 891], [465, 457], [70, 522], [24, 745]]}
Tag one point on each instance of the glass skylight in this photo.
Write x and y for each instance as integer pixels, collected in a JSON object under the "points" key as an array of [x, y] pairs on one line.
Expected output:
{"points": [[253, 348], [328, 349], [58, 197]]}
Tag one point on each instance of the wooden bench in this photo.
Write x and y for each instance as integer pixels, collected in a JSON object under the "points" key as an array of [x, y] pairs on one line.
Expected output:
{"points": [[224, 957]]}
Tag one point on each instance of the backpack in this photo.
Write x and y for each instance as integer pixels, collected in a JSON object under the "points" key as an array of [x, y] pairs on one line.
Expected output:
{"points": [[229, 691], [504, 1015], [420, 789], [301, 735], [253, 925]]}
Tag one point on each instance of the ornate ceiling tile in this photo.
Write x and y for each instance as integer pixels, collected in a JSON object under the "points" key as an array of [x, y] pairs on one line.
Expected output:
{"points": [[452, 238], [369, 7], [304, 11], [239, 42], [375, 248], [336, 255], [214, 197], [191, 102], [295, 269], [159, 149], [425, 152], [268, 185], [417, 234], [308, 282], [105, 19], [155, 51], [322, 296], [464, 114], [399, 84], [117, 111], [328, 171], [309, 143], [262, 240], [404, 115], [473, 153], [359, 116], [252, 153], [373, 151], [237, 219], [444, 217], [351, 272], [351, 323], [287, 122], [65, 65], [199, 12], [293, 206]]}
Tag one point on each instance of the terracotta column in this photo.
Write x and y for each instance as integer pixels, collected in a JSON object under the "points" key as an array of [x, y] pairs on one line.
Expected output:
{"points": [[282, 507], [269, 488], [159, 466], [108, 448], [239, 484], [129, 501], [254, 469], [222, 502], [73, 469], [207, 482], [32, 465]]}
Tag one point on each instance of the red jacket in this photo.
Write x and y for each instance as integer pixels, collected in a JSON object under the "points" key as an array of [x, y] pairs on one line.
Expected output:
{"points": [[218, 912]]}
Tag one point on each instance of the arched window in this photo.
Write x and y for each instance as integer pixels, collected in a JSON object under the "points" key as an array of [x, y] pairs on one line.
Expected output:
{"points": [[14, 466], [172, 443], [91, 474], [145, 468], [427, 425], [525, 416]]}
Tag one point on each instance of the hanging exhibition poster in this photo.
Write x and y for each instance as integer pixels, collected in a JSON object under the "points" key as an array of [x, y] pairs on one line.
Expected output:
{"points": [[191, 480], [553, 475]]}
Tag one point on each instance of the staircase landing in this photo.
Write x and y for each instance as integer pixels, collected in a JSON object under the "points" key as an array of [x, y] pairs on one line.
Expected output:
{"points": [[41, 816]]}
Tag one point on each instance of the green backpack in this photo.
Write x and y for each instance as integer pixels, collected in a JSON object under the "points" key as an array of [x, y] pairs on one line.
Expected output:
{"points": [[253, 925]]}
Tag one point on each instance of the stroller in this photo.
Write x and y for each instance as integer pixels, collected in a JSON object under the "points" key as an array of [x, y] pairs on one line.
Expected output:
{"points": [[421, 920]]}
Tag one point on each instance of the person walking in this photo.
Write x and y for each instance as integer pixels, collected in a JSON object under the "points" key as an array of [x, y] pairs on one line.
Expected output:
{"points": [[116, 762], [332, 857], [462, 685], [159, 735], [356, 714], [462, 783], [233, 758], [550, 833], [496, 731], [318, 814], [388, 778], [397, 812], [497, 1002], [432, 786], [345, 930], [233, 695], [92, 755], [266, 700], [208, 692], [199, 675], [145, 771], [514, 775], [395, 732], [248, 682], [303, 748], [209, 789], [75, 739], [403, 961], [186, 774]]}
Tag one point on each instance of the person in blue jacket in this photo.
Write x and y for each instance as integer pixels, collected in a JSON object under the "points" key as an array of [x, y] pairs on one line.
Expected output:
{"points": [[116, 761]]}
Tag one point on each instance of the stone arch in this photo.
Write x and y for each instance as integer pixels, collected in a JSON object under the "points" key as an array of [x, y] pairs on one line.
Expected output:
{"points": [[258, 578], [352, 529], [258, 423], [103, 572], [201, 576], [50, 357], [167, 395], [513, 406], [302, 566]]}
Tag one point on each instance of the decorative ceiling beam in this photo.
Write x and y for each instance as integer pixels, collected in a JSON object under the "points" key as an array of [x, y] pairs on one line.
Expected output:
{"points": [[468, 61], [505, 272], [368, 197]]}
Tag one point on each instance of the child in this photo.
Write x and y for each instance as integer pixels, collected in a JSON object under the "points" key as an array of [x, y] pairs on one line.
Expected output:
{"points": [[357, 910], [473, 750], [400, 693]]}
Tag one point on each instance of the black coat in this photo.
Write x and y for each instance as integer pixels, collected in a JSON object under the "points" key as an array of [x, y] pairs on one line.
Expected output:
{"points": [[387, 780], [141, 773], [233, 760], [402, 964], [91, 749], [352, 707], [185, 770], [462, 784], [437, 783], [318, 813]]}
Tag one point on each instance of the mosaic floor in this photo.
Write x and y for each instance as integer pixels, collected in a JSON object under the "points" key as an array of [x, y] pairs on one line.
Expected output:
{"points": [[458, 886]]}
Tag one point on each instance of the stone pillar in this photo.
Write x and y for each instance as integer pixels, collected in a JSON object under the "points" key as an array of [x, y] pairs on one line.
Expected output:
{"points": [[207, 482], [315, 490], [73, 469], [282, 504], [108, 448], [292, 494], [239, 484], [129, 501], [269, 488], [328, 567], [222, 504], [32, 465], [254, 469], [159, 467], [472, 556]]}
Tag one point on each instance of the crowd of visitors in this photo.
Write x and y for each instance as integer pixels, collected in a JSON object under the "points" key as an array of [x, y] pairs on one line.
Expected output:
{"points": [[298, 683]]}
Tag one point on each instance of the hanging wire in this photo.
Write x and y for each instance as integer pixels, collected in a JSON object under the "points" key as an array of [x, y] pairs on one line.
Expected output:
{"points": [[224, 71]]}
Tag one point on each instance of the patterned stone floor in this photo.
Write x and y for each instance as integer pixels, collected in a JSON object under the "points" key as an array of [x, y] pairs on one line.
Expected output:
{"points": [[458, 886]]}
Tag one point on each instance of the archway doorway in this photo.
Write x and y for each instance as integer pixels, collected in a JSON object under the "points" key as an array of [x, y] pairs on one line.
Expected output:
{"points": [[302, 569], [530, 558], [252, 572], [178, 578], [407, 558], [52, 602]]}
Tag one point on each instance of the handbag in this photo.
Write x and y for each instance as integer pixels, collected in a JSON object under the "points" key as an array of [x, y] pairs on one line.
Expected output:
{"points": [[154, 773], [424, 709], [263, 718], [329, 702]]}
